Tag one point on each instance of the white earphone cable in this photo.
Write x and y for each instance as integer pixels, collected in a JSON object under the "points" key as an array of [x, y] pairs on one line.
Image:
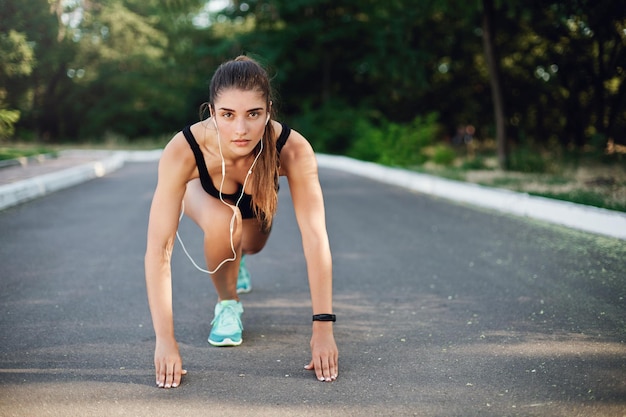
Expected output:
{"points": [[234, 216]]}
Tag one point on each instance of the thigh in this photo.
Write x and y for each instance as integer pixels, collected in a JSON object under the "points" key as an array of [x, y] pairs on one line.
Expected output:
{"points": [[208, 212], [214, 218]]}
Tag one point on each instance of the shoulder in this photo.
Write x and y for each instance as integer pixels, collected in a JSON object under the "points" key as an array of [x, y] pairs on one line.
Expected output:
{"points": [[179, 148], [297, 153], [177, 159], [176, 149]]}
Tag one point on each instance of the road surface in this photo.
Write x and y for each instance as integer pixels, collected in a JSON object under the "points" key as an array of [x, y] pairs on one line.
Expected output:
{"points": [[443, 310]]}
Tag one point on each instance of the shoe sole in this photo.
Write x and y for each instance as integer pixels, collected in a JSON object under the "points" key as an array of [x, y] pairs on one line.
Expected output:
{"points": [[226, 342]]}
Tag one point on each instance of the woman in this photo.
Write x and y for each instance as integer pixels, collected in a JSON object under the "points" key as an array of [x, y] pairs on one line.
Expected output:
{"points": [[223, 172]]}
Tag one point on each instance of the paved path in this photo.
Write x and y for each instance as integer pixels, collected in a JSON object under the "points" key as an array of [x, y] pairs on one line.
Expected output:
{"points": [[444, 310]]}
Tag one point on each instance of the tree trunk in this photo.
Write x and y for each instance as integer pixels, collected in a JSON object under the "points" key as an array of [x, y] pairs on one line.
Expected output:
{"points": [[493, 65]]}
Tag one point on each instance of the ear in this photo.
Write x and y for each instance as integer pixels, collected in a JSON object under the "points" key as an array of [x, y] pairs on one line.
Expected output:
{"points": [[212, 116], [269, 112]]}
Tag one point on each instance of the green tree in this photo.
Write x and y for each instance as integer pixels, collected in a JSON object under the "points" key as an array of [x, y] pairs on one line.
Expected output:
{"points": [[328, 56], [140, 67], [102, 66], [38, 27], [125, 75], [584, 66], [16, 61]]}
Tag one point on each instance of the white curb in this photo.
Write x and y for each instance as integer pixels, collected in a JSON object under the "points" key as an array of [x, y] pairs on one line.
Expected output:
{"points": [[25, 190], [577, 216]]}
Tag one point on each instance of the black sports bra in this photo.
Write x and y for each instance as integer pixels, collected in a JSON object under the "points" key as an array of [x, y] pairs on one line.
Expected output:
{"points": [[205, 178]]}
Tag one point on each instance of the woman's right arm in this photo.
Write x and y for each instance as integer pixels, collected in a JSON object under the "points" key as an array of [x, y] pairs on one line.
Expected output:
{"points": [[173, 174]]}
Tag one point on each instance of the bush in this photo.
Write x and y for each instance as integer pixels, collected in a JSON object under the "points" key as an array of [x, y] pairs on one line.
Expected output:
{"points": [[368, 142], [476, 163], [338, 128], [395, 144], [330, 128], [443, 154]]}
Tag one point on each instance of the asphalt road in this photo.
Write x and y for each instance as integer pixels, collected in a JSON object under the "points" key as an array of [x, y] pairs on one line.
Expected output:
{"points": [[443, 310]]}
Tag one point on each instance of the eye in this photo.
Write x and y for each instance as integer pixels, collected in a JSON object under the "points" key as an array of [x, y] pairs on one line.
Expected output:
{"points": [[254, 114], [227, 115]]}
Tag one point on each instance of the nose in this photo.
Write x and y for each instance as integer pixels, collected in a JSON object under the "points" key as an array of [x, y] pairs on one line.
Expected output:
{"points": [[241, 127]]}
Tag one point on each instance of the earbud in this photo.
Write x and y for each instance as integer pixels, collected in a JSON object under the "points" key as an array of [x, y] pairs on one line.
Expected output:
{"points": [[268, 119], [214, 121]]}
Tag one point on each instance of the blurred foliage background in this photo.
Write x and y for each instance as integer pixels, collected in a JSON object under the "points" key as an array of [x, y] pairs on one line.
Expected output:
{"points": [[399, 82]]}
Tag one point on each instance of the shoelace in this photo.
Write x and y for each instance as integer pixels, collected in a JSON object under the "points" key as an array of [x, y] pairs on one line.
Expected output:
{"points": [[227, 316]]}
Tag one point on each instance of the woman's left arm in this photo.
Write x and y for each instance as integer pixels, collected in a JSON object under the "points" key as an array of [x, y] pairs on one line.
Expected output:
{"points": [[299, 164]]}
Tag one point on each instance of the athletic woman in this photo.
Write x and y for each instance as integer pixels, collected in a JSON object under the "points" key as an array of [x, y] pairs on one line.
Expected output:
{"points": [[222, 172]]}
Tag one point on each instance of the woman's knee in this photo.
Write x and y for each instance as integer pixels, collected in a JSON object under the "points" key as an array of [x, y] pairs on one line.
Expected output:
{"points": [[222, 224], [251, 250], [254, 239], [214, 217]]}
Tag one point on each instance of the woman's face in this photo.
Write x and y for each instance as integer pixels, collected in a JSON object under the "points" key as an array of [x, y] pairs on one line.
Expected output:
{"points": [[240, 116]]}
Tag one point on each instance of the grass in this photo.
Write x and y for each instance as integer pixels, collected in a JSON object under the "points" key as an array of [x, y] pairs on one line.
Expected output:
{"points": [[14, 153], [595, 182]]}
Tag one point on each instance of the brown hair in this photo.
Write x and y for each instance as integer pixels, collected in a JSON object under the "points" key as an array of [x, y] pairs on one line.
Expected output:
{"points": [[244, 73]]}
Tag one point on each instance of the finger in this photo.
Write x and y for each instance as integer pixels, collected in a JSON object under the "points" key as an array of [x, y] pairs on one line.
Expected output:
{"points": [[334, 369], [326, 370], [312, 367], [160, 375], [178, 375], [169, 376], [319, 373]]}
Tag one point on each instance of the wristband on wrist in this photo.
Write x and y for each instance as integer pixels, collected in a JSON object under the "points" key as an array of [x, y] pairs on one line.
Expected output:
{"points": [[324, 317]]}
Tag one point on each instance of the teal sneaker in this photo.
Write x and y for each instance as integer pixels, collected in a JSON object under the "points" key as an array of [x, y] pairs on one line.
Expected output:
{"points": [[243, 278], [227, 326]]}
